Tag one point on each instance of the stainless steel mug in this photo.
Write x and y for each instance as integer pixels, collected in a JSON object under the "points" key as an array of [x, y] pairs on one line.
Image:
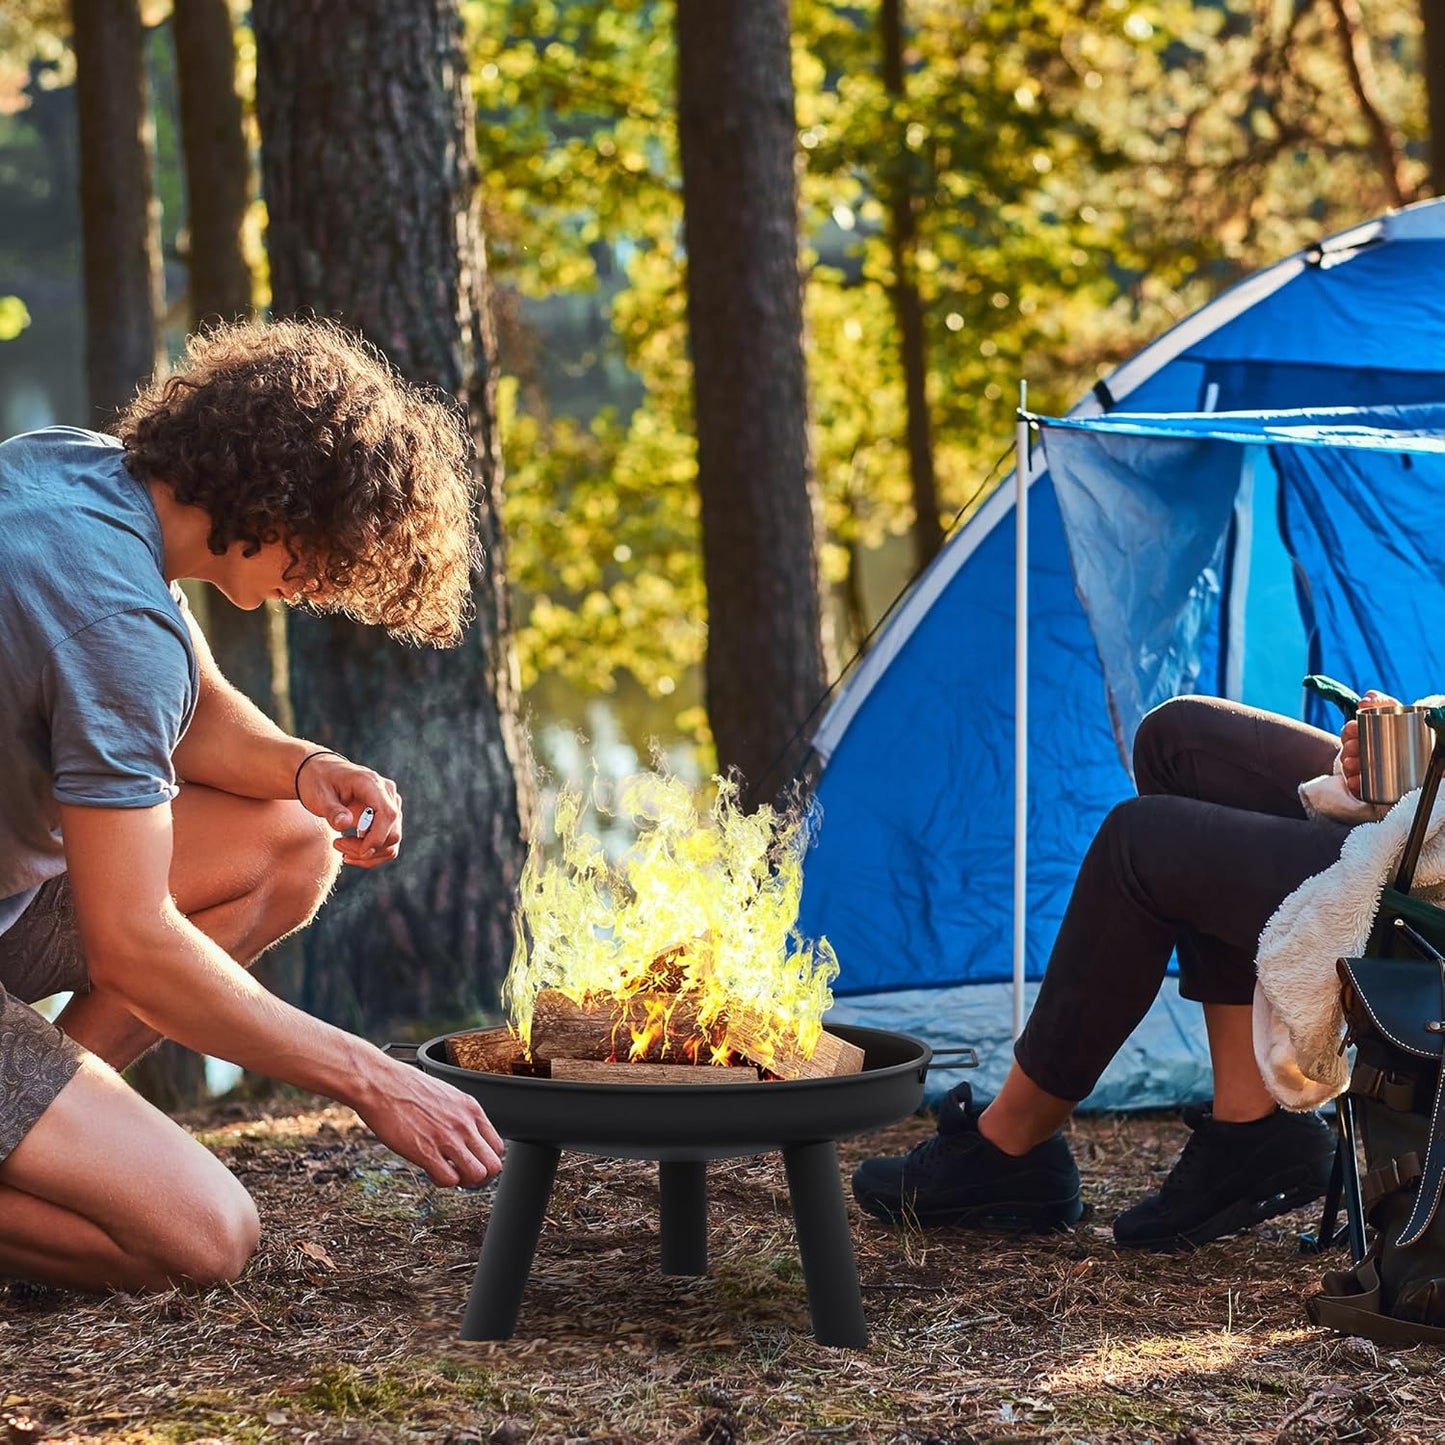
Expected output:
{"points": [[1395, 748]]}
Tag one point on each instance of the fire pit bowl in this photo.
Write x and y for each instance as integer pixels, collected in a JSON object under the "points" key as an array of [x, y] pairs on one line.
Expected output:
{"points": [[683, 1127], [699, 1121]]}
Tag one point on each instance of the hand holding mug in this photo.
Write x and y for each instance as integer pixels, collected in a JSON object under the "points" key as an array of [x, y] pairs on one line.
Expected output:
{"points": [[1350, 739]]}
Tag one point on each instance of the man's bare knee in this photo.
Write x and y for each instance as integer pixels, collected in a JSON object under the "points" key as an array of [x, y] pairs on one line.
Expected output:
{"points": [[304, 868], [149, 1205], [212, 1239]]}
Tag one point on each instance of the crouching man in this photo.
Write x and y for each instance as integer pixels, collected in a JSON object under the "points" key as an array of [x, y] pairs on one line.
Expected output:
{"points": [[157, 832]]}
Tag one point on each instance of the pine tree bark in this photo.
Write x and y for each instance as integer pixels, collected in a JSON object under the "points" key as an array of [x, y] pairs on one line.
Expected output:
{"points": [[120, 221], [218, 193], [736, 127], [368, 168], [218, 166]]}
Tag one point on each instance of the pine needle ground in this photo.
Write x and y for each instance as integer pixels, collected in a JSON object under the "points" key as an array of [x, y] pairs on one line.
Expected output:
{"points": [[344, 1328]]}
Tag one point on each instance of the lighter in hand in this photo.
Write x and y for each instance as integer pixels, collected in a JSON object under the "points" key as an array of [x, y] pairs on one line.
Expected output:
{"points": [[362, 824]]}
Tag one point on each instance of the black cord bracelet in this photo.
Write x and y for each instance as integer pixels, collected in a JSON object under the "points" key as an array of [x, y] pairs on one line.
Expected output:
{"points": [[319, 753]]}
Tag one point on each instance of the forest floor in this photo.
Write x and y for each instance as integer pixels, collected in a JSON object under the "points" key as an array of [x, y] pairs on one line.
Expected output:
{"points": [[344, 1328]]}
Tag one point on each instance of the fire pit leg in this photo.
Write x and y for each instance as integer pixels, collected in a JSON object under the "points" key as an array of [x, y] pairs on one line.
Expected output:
{"points": [[511, 1241], [682, 1211], [826, 1244]]}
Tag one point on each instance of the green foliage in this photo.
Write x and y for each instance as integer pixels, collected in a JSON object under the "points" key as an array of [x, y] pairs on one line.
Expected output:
{"points": [[14, 317], [979, 149], [603, 539], [579, 176], [574, 133], [1080, 175]]}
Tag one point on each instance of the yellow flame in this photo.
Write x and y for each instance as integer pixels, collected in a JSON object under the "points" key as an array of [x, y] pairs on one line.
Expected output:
{"points": [[712, 891]]}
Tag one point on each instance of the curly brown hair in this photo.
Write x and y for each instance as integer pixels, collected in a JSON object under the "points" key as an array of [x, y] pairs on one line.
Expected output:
{"points": [[300, 432]]}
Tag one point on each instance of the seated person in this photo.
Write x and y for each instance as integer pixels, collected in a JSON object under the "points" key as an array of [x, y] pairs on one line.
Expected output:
{"points": [[1216, 840], [157, 831]]}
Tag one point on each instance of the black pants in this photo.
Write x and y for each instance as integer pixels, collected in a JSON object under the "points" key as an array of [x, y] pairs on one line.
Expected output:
{"points": [[1198, 862]]}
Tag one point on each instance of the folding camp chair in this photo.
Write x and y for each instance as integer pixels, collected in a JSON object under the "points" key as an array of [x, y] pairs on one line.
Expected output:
{"points": [[1394, 1107]]}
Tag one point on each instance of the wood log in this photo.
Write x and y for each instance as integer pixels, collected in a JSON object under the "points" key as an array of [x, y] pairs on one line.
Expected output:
{"points": [[596, 1071], [753, 1037], [668, 970], [562, 1028], [488, 1051]]}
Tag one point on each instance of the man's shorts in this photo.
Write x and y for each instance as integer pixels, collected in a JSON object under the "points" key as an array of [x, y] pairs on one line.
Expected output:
{"points": [[40, 954]]}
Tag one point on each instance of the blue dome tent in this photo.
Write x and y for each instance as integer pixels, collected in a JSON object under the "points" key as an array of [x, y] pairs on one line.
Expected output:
{"points": [[1207, 520]]}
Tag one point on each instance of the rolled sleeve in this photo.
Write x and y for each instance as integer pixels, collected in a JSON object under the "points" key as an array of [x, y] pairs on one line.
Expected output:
{"points": [[119, 695]]}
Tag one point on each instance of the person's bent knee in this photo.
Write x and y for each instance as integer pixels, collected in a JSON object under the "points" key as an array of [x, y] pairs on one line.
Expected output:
{"points": [[213, 1240], [1160, 730], [1135, 834], [304, 864]]}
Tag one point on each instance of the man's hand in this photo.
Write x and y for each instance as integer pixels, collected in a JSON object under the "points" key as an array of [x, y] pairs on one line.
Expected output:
{"points": [[1350, 740], [431, 1123], [338, 791]]}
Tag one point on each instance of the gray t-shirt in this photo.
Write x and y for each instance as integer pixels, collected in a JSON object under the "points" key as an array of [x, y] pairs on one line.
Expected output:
{"points": [[98, 676]]}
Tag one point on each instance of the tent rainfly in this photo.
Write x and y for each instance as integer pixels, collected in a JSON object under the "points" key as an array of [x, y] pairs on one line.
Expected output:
{"points": [[1257, 495]]}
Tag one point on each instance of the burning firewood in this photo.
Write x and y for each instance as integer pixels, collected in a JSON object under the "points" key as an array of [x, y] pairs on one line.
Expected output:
{"points": [[660, 1022], [490, 1051], [663, 1023], [748, 1035], [597, 1071], [668, 970], [617, 959]]}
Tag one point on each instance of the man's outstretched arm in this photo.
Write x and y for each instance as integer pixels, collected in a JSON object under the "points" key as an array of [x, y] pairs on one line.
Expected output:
{"points": [[141, 948]]}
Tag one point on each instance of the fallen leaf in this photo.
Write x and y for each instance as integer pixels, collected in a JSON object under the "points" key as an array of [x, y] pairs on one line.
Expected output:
{"points": [[316, 1252]]}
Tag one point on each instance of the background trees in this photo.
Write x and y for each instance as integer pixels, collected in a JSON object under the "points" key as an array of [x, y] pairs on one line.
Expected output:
{"points": [[985, 191]]}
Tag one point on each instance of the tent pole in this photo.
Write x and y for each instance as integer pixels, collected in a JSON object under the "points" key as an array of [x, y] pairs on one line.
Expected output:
{"points": [[1021, 703]]}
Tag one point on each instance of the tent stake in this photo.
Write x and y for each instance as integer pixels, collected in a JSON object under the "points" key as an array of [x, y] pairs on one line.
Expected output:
{"points": [[1021, 703]]}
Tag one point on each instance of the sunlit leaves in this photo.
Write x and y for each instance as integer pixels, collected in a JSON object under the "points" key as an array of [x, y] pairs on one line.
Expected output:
{"points": [[33, 33], [14, 317], [1083, 175]]}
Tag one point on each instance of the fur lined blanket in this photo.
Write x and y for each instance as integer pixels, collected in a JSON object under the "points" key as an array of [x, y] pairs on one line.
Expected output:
{"points": [[1298, 1026]]}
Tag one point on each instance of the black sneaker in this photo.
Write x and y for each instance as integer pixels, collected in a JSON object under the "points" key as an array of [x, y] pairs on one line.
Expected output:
{"points": [[1231, 1176], [959, 1178]]}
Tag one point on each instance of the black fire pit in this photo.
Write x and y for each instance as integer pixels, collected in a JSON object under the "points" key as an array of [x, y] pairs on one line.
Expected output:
{"points": [[683, 1127]]}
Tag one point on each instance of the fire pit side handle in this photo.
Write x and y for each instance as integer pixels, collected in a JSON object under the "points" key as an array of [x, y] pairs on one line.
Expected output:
{"points": [[967, 1058]]}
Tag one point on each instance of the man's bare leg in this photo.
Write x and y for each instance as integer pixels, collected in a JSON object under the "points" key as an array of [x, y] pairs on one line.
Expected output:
{"points": [[245, 872], [107, 1192], [78, 1199]]}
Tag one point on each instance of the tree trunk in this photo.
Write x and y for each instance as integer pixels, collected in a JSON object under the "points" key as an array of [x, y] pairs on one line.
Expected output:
{"points": [[907, 303], [218, 167], [124, 297], [120, 223], [218, 192], [1433, 14], [765, 664], [368, 167], [171, 1076]]}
